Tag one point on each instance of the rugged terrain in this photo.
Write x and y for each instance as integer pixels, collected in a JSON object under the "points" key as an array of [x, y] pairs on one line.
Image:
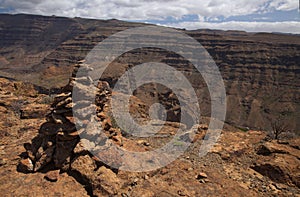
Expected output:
{"points": [[45, 156], [260, 70], [43, 153]]}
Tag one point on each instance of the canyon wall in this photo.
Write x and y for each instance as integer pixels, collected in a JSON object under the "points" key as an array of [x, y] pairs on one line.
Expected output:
{"points": [[260, 70]]}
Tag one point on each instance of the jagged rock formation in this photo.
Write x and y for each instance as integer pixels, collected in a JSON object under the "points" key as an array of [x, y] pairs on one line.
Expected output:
{"points": [[58, 136], [260, 70], [58, 145], [22, 111]]}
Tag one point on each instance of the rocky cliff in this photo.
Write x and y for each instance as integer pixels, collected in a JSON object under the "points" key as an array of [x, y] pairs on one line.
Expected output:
{"points": [[260, 70]]}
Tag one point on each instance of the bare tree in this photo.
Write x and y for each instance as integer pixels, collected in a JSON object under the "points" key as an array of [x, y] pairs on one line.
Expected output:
{"points": [[279, 126]]}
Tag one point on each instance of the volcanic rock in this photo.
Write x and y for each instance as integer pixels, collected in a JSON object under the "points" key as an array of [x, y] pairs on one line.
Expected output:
{"points": [[25, 166]]}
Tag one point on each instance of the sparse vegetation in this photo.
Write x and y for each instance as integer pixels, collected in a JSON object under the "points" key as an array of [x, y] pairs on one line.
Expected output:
{"points": [[24, 89], [47, 100], [279, 127], [244, 129], [178, 143], [17, 107]]}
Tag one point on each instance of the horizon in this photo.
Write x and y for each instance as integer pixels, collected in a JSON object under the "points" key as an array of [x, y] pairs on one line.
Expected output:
{"points": [[162, 25]]}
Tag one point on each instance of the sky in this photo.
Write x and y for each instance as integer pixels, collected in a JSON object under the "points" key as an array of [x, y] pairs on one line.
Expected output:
{"points": [[246, 15]]}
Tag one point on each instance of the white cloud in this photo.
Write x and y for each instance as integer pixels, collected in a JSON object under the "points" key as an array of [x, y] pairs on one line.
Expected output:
{"points": [[147, 9], [284, 4], [287, 26]]}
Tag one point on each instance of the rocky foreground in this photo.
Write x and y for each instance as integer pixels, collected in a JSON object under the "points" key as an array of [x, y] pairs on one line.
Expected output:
{"points": [[43, 155]]}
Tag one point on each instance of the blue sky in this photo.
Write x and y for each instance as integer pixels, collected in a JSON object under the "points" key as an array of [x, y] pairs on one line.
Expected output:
{"points": [[247, 15]]}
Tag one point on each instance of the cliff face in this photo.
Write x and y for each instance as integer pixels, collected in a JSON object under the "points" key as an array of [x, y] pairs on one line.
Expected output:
{"points": [[259, 70], [261, 73], [26, 40], [48, 47]]}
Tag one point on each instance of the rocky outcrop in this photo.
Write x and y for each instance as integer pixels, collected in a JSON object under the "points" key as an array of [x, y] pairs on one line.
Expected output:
{"points": [[58, 145], [280, 162], [58, 136]]}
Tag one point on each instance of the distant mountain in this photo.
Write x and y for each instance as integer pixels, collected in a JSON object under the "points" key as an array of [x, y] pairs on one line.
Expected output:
{"points": [[260, 70]]}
